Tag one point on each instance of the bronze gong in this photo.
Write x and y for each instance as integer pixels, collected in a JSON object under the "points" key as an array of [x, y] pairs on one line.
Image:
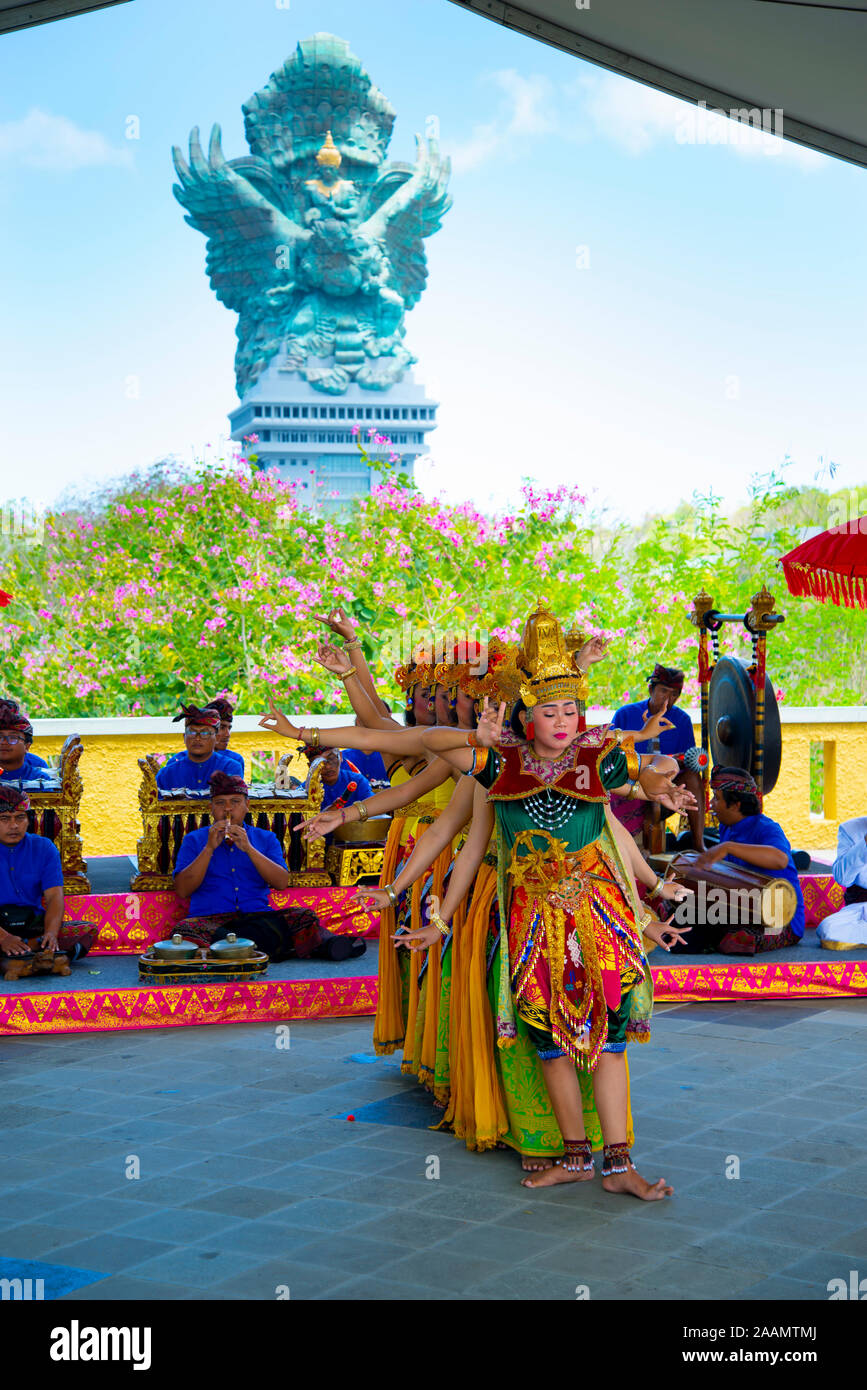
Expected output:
{"points": [[731, 721]]}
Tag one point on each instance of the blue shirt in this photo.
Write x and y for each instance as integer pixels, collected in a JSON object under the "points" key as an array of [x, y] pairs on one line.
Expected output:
{"points": [[33, 769], [181, 771], [350, 787], [370, 765], [761, 830], [27, 869], [237, 759], [232, 883], [676, 740]]}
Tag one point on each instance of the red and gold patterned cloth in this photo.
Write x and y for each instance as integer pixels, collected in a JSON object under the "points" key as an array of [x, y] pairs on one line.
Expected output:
{"points": [[574, 947], [128, 923]]}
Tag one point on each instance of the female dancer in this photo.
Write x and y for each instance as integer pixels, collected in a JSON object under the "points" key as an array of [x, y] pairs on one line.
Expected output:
{"points": [[572, 961]]}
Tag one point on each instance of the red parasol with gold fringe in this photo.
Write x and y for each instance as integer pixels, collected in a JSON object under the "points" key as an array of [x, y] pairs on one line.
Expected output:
{"points": [[831, 567]]}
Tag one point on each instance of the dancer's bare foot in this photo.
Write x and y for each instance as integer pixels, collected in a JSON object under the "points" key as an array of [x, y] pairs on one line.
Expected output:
{"points": [[535, 1165], [557, 1174], [633, 1184]]}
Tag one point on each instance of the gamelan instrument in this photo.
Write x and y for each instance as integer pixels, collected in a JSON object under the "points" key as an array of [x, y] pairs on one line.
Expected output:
{"points": [[750, 895], [177, 961], [38, 961]]}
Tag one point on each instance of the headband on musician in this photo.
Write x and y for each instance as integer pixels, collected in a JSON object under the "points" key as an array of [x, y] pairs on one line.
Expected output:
{"points": [[224, 708], [670, 676], [733, 779], [224, 784], [13, 721], [191, 714], [12, 799]]}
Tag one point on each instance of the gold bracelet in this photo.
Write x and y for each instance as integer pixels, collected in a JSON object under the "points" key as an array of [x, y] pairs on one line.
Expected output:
{"points": [[362, 810], [346, 674], [657, 888], [314, 739], [436, 921], [388, 888], [352, 646]]}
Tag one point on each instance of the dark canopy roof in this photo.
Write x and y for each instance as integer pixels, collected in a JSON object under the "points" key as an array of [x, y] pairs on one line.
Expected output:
{"points": [[16, 14], [806, 58]]}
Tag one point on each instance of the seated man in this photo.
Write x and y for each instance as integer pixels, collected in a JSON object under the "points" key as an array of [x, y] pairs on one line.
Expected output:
{"points": [[342, 783], [17, 763], [227, 870], [226, 711], [31, 887], [193, 768], [665, 687], [751, 840], [848, 927]]}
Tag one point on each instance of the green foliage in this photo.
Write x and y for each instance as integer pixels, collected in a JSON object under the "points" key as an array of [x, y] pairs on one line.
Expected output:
{"points": [[182, 585]]}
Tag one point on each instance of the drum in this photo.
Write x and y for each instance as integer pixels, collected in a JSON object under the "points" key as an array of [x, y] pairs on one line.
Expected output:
{"points": [[730, 896]]}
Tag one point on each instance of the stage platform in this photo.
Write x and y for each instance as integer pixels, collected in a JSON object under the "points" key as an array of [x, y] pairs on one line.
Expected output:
{"points": [[103, 994]]}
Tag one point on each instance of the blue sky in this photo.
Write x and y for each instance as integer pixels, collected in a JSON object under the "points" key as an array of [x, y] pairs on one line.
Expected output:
{"points": [[610, 304]]}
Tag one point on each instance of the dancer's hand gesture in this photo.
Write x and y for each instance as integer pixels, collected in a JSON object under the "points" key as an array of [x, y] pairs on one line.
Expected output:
{"points": [[490, 727], [655, 725], [418, 940], [596, 649], [278, 723], [338, 622], [666, 934], [334, 659], [318, 826]]}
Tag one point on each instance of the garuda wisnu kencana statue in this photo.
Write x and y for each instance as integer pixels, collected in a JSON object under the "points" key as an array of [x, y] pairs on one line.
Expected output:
{"points": [[313, 240]]}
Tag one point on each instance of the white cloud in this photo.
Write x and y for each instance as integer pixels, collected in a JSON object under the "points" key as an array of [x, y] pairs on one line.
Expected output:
{"points": [[631, 115], [43, 141], [638, 118], [526, 111]]}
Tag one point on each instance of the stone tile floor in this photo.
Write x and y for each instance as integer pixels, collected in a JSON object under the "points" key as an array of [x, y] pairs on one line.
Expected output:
{"points": [[252, 1181]]}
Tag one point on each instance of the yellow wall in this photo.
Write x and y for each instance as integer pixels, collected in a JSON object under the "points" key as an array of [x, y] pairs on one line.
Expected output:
{"points": [[789, 803], [111, 823], [110, 774]]}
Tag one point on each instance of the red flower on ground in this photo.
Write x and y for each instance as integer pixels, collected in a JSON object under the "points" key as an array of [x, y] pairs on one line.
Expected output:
{"points": [[4, 598]]}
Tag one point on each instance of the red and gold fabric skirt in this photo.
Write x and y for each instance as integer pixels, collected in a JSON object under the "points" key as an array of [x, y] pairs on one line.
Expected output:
{"points": [[574, 948]]}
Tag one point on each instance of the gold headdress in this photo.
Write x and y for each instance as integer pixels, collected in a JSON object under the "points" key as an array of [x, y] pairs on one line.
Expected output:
{"points": [[414, 672], [547, 664], [329, 154], [501, 680]]}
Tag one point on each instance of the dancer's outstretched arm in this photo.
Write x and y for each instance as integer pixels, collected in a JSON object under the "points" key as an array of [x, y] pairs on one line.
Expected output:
{"points": [[391, 799], [385, 738], [463, 876], [429, 845]]}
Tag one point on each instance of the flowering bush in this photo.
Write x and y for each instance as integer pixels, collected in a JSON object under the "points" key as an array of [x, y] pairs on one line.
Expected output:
{"points": [[188, 584]]}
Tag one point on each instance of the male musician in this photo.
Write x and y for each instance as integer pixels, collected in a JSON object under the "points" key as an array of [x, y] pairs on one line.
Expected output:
{"points": [[226, 711], [342, 783], [751, 840], [31, 887], [664, 689], [193, 768], [228, 869], [17, 763]]}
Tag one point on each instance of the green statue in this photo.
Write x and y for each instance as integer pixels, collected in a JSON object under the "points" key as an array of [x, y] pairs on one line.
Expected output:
{"points": [[313, 240]]}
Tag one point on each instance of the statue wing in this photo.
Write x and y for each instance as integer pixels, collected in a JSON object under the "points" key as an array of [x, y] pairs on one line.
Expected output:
{"points": [[251, 243], [413, 211]]}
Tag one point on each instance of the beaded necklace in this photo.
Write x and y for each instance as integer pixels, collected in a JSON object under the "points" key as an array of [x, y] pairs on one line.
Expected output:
{"points": [[550, 809]]}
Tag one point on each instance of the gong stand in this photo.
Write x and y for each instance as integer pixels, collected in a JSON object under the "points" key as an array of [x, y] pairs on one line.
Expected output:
{"points": [[759, 620]]}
